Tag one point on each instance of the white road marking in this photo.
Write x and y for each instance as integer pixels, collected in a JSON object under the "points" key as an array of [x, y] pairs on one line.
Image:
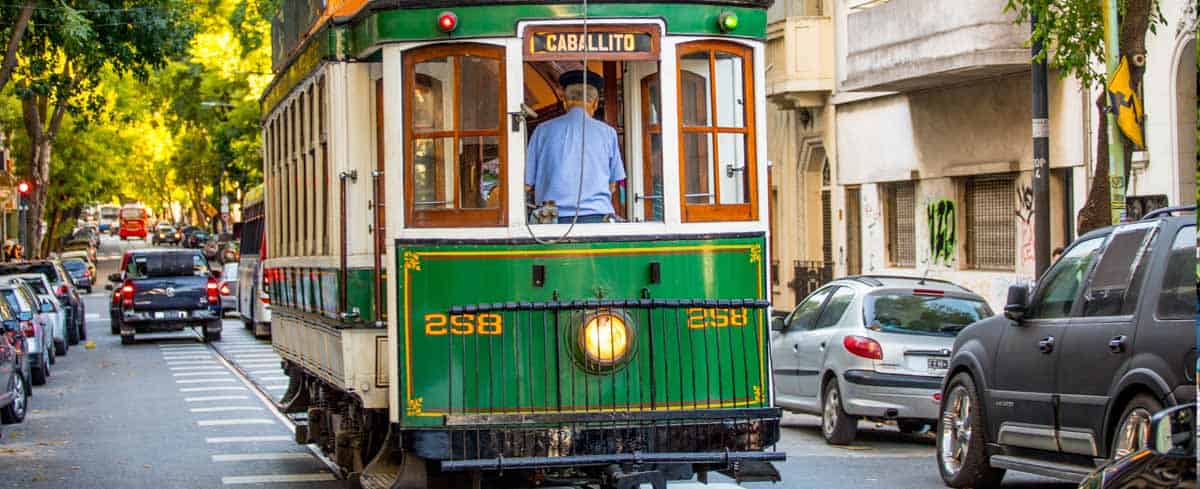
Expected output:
{"points": [[255, 356], [214, 398], [205, 381], [91, 315], [199, 367], [260, 479], [204, 389], [246, 439], [268, 371], [233, 422], [186, 357], [174, 346], [258, 364], [249, 348], [246, 457], [266, 379], [218, 409], [198, 374], [190, 362], [274, 387], [175, 349]]}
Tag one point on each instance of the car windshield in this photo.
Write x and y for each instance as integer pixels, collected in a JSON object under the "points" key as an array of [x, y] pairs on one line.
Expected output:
{"points": [[38, 286], [167, 265], [900, 312], [75, 265]]}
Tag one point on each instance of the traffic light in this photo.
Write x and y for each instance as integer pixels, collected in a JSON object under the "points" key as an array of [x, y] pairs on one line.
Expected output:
{"points": [[23, 188]]}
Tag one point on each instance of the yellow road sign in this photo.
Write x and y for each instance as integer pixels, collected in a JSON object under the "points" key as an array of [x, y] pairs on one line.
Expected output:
{"points": [[1126, 104]]}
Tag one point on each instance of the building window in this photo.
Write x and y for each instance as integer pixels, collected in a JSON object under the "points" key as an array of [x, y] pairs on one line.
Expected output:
{"points": [[899, 208], [991, 223], [716, 116]]}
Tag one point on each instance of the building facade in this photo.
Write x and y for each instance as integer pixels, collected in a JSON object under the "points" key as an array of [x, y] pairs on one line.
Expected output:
{"points": [[925, 151]]}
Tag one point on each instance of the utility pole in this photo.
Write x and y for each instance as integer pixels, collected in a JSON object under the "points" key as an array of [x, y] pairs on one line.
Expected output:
{"points": [[1116, 151], [1041, 157]]}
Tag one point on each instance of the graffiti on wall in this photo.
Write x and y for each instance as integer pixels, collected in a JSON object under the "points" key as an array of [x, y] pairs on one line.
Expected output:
{"points": [[940, 216], [1025, 225]]}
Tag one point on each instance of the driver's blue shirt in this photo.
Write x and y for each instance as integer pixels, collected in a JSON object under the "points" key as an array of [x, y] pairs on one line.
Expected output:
{"points": [[552, 164]]}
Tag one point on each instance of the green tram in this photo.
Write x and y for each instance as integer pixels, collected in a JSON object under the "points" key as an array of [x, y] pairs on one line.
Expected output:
{"points": [[435, 335]]}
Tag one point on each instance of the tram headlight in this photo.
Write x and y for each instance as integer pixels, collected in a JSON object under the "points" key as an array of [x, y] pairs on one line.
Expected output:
{"points": [[605, 338]]}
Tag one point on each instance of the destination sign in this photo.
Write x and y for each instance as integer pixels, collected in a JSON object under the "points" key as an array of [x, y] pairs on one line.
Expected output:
{"points": [[602, 42]]}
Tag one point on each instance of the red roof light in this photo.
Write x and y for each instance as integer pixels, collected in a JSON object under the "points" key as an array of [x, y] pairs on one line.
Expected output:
{"points": [[447, 21]]}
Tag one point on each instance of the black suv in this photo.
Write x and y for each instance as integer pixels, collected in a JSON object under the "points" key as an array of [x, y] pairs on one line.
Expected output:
{"points": [[167, 290], [1071, 373]]}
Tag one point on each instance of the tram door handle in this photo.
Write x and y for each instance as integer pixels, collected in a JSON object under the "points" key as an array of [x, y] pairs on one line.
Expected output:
{"points": [[730, 169]]}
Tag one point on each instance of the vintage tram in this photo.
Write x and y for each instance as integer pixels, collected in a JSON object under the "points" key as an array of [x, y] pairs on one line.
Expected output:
{"points": [[434, 334]]}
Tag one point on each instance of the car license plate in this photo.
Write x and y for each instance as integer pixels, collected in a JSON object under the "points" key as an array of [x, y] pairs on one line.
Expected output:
{"points": [[939, 364], [168, 315]]}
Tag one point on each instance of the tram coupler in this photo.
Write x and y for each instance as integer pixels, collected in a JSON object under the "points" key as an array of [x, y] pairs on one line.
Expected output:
{"points": [[617, 478]]}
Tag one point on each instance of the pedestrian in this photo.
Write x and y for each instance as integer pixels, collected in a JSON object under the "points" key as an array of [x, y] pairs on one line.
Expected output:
{"points": [[573, 162]]}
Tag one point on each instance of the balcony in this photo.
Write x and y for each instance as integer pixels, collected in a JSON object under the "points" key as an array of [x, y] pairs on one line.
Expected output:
{"points": [[905, 45], [800, 60]]}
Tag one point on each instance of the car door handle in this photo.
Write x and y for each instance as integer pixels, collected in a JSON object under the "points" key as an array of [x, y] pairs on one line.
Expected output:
{"points": [[1117, 343], [822, 346], [796, 348], [1046, 344]]}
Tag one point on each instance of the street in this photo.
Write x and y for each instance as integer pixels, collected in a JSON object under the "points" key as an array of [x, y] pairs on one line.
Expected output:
{"points": [[171, 412]]}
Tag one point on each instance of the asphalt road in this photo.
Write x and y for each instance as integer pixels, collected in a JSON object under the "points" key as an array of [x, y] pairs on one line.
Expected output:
{"points": [[170, 412]]}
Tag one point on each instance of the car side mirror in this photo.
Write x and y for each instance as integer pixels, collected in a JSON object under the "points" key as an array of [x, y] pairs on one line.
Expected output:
{"points": [[1173, 431], [114, 277], [777, 323], [1017, 303]]}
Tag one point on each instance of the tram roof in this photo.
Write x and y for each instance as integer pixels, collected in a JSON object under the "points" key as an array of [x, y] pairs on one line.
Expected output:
{"points": [[391, 4]]}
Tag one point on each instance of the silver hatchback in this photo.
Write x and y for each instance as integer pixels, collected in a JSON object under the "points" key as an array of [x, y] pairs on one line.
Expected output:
{"points": [[870, 347]]}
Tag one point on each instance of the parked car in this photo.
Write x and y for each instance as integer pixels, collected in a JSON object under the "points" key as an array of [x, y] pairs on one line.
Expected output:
{"points": [[1076, 366], [114, 303], [166, 234], [62, 287], [39, 340], [194, 237], [870, 347], [167, 290], [40, 287], [81, 272], [229, 288], [14, 369], [51, 313], [1168, 463]]}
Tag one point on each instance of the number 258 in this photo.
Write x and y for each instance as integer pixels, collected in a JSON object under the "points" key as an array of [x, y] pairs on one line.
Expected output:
{"points": [[487, 324]]}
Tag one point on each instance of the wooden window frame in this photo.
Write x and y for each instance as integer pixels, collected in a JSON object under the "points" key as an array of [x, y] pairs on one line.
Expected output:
{"points": [[649, 130], [717, 211], [457, 217]]}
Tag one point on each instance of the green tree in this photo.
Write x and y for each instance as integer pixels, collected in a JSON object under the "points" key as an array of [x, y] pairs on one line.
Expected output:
{"points": [[15, 20], [67, 50], [1074, 32]]}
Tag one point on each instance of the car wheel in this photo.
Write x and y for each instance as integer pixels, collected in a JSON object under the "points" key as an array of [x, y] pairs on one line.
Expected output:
{"points": [[52, 352], [127, 339], [209, 336], [837, 427], [60, 347], [114, 325], [1133, 431], [15, 411], [960, 439], [72, 331], [40, 373], [82, 327], [248, 324]]}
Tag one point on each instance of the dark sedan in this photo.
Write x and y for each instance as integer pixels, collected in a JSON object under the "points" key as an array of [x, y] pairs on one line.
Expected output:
{"points": [[80, 273]]}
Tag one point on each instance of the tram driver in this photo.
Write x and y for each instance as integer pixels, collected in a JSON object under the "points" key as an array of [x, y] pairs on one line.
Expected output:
{"points": [[574, 148]]}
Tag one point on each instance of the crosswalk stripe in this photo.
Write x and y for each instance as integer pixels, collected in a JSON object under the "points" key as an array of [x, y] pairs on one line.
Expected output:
{"points": [[233, 422], [267, 371], [218, 409], [261, 356], [246, 439], [274, 387], [185, 357], [190, 362], [246, 457], [260, 479], [198, 367], [215, 398], [272, 379], [198, 374], [205, 389], [204, 381]]}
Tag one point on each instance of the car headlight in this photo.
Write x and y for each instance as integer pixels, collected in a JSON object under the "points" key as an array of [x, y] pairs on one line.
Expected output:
{"points": [[605, 338]]}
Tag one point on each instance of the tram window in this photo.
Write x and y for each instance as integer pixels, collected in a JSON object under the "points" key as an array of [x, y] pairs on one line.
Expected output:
{"points": [[717, 160], [455, 139]]}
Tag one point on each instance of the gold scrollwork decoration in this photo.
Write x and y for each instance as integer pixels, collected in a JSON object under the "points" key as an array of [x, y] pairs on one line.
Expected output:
{"points": [[412, 261]]}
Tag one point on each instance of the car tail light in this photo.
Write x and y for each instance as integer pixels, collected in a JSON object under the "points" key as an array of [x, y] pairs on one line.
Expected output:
{"points": [[225, 289], [929, 292], [27, 329], [211, 289], [62, 289], [863, 347], [127, 291]]}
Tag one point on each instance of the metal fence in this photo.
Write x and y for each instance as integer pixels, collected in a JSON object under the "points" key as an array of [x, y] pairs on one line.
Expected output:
{"points": [[808, 276]]}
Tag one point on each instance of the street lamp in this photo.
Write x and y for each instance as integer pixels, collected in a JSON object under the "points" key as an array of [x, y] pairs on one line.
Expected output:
{"points": [[23, 189]]}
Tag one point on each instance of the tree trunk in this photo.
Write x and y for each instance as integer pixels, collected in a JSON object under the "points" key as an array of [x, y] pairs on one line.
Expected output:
{"points": [[1096, 212], [39, 164], [14, 42]]}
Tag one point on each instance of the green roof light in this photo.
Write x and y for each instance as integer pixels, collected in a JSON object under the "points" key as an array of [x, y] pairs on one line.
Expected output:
{"points": [[728, 21]]}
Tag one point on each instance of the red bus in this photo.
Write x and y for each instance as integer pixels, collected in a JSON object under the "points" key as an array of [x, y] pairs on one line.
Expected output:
{"points": [[135, 222]]}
